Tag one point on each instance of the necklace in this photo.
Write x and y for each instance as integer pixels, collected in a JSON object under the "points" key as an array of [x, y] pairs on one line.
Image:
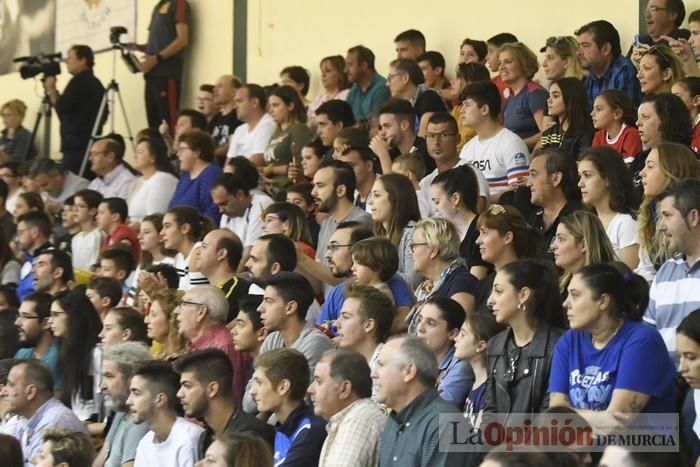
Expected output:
{"points": [[619, 326]]}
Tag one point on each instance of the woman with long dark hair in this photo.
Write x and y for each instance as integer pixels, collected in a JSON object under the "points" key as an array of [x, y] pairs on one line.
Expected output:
{"points": [[151, 192], [394, 210], [183, 229], [76, 326], [573, 130], [606, 186]]}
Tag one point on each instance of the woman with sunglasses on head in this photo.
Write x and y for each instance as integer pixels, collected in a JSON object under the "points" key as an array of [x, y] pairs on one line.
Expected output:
{"points": [[454, 195], [610, 366], [435, 248], [659, 68], [525, 297], [560, 59], [504, 237], [606, 186]]}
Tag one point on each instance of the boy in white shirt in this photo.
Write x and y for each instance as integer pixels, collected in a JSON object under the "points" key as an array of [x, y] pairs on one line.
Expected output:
{"points": [[87, 243], [172, 440]]}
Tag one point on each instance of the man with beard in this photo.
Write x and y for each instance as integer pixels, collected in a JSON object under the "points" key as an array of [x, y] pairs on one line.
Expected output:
{"points": [[334, 188], [119, 362], [206, 394], [35, 338], [52, 271], [340, 261], [152, 401]]}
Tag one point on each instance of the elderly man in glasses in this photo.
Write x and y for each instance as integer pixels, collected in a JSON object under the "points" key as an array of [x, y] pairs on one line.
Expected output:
{"points": [[201, 319]]}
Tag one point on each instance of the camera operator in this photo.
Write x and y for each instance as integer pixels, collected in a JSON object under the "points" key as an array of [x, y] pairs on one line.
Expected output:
{"points": [[77, 107], [168, 35]]}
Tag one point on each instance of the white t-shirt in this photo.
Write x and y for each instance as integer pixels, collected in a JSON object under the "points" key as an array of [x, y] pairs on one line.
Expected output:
{"points": [[150, 196], [503, 158], [245, 142], [426, 181], [85, 248], [248, 227], [182, 265], [179, 450], [622, 232]]}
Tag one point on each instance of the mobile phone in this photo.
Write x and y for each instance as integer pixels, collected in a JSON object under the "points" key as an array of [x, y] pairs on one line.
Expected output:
{"points": [[636, 40]]}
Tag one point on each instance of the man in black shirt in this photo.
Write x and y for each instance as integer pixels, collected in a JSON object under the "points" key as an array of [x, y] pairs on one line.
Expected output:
{"points": [[397, 135], [224, 121], [77, 107], [168, 35]]}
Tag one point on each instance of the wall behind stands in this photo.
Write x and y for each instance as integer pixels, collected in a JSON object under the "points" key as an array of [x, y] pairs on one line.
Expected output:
{"points": [[301, 32], [211, 55]]}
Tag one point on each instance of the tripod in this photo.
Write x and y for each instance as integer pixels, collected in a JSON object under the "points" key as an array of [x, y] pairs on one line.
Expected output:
{"points": [[45, 113], [107, 110]]}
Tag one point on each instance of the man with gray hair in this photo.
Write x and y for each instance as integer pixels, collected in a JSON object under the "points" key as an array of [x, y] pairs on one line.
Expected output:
{"points": [[201, 320], [119, 361], [341, 390], [405, 375]]}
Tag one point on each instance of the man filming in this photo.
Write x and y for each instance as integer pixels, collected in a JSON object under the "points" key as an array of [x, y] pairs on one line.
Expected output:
{"points": [[77, 107]]}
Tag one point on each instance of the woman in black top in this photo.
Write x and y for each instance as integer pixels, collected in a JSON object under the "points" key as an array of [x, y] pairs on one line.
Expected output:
{"points": [[454, 194], [525, 297]]}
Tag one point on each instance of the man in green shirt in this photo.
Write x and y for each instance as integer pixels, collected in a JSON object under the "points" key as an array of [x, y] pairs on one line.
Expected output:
{"points": [[369, 90]]}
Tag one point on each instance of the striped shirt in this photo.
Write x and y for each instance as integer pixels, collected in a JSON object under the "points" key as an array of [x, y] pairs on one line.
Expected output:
{"points": [[502, 158], [353, 436], [674, 294], [182, 265]]}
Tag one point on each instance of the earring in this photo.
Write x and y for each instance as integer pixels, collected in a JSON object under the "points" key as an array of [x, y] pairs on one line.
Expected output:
{"points": [[521, 307]]}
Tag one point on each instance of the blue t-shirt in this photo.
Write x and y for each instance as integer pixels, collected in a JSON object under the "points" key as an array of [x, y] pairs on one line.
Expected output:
{"points": [[635, 359], [50, 358], [518, 110], [197, 193], [330, 310]]}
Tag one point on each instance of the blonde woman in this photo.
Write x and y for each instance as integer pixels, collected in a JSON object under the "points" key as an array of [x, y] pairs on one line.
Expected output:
{"points": [[665, 164], [524, 108], [560, 59], [658, 69], [289, 220], [580, 241], [15, 140], [161, 325]]}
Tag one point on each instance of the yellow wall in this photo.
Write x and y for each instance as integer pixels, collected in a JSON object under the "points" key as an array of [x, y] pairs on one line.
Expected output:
{"points": [[210, 55], [301, 32]]}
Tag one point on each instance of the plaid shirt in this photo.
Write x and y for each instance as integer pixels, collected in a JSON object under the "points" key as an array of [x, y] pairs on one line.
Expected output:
{"points": [[621, 74], [353, 436]]}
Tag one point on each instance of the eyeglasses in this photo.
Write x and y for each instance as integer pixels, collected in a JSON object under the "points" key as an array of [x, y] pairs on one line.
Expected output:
{"points": [[654, 9], [391, 76], [334, 246], [413, 246], [187, 302], [442, 135], [23, 316]]}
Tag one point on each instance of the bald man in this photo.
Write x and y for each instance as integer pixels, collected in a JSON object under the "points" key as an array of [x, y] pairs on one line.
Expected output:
{"points": [[218, 260], [225, 121]]}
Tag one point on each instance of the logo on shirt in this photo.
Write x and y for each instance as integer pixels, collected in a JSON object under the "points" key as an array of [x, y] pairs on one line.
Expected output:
{"points": [[520, 159], [591, 389]]}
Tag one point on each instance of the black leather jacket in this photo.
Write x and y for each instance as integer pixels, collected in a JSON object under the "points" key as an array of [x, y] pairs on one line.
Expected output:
{"points": [[528, 394]]}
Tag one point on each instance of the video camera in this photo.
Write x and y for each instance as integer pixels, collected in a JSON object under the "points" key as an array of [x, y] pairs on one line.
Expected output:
{"points": [[48, 64], [129, 59]]}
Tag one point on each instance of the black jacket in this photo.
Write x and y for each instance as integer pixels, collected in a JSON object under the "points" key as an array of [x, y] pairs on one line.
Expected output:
{"points": [[529, 393]]}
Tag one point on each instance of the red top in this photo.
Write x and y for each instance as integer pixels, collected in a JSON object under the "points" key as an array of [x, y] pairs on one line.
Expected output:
{"points": [[695, 142], [123, 232], [218, 337], [628, 143], [503, 90]]}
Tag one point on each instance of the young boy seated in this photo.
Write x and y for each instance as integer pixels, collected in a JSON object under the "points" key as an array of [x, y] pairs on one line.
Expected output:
{"points": [[248, 335], [279, 386], [104, 293], [375, 260], [117, 262], [413, 168], [63, 236], [112, 215], [87, 243]]}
